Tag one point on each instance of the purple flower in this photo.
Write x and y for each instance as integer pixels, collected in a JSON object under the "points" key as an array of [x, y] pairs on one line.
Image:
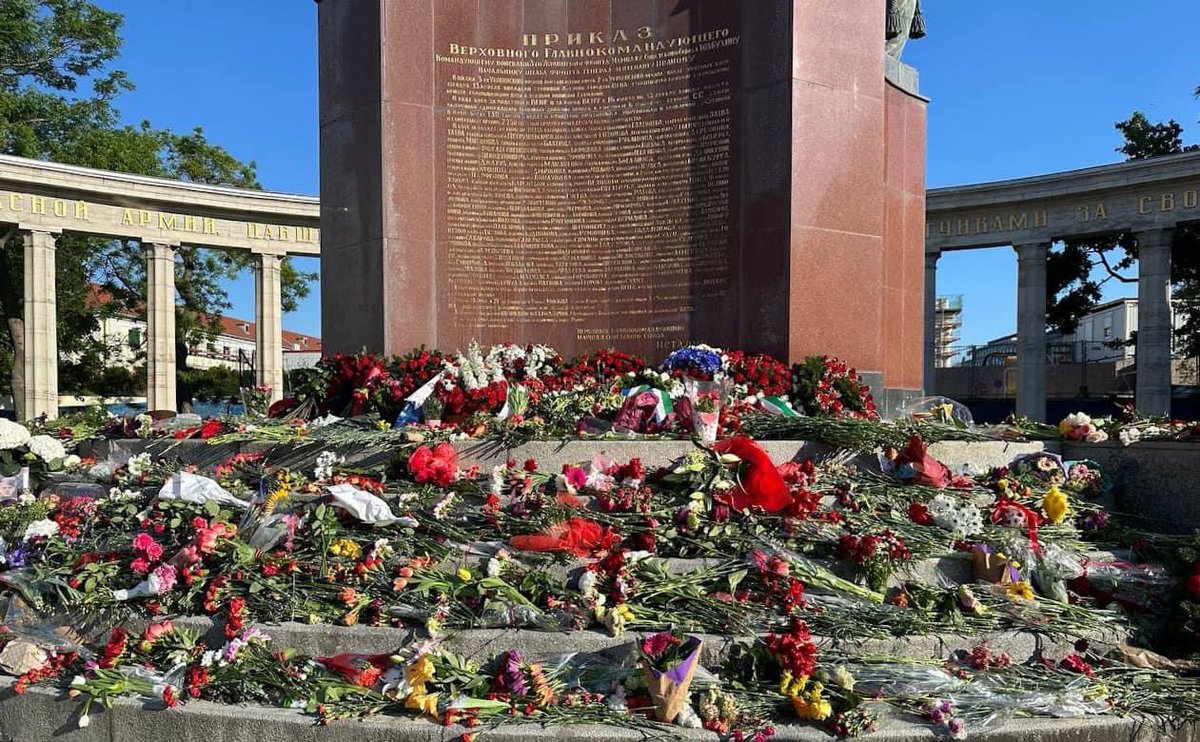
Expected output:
{"points": [[512, 678]]}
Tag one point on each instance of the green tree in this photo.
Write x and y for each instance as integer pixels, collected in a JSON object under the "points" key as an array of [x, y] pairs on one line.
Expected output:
{"points": [[1078, 270], [57, 102]]}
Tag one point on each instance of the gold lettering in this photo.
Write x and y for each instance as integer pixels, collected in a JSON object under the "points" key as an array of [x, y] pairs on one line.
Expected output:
{"points": [[1144, 205], [81, 211], [15, 202], [645, 32], [550, 39], [189, 224], [1190, 199], [620, 35], [1167, 202], [144, 218], [964, 227], [1016, 222], [252, 231], [981, 225], [1040, 218], [285, 234], [127, 217], [1101, 212], [268, 232], [944, 227], [574, 39], [529, 39], [998, 224], [596, 37], [1085, 213], [305, 234], [210, 226], [37, 204], [167, 222], [60, 208]]}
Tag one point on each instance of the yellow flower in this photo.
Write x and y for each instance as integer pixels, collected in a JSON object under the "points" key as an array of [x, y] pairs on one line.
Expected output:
{"points": [[785, 682], [426, 703], [419, 672], [344, 547], [1019, 591], [464, 574], [812, 706], [1055, 505], [280, 494]]}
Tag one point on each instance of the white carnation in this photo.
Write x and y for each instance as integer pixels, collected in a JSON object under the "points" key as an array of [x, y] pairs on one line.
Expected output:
{"points": [[12, 435], [46, 448]]}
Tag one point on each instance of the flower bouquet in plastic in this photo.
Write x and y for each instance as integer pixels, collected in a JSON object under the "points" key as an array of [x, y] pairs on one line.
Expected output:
{"points": [[706, 398], [669, 660]]}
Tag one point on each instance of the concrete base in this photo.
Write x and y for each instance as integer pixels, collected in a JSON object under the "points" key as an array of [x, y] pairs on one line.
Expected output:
{"points": [[1154, 482], [42, 715]]}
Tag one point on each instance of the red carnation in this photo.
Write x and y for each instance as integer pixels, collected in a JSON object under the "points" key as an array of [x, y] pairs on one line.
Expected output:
{"points": [[437, 466]]}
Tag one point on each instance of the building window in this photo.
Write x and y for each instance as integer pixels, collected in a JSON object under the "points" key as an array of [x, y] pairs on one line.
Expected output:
{"points": [[135, 338], [225, 350]]}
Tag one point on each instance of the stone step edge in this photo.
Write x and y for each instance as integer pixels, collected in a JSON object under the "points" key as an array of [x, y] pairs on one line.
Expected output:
{"points": [[43, 715], [483, 644]]}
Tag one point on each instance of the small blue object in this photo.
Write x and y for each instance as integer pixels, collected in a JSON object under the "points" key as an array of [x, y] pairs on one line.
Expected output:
{"points": [[410, 415]]}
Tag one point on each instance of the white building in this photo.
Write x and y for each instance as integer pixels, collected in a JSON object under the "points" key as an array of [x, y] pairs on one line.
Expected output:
{"points": [[124, 334]]}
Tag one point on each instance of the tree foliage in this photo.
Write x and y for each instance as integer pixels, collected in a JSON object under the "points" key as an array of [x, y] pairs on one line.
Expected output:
{"points": [[58, 90], [1080, 267]]}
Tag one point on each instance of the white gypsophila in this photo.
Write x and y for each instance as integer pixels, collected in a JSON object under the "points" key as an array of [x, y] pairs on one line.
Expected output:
{"points": [[46, 448], [441, 510], [956, 517], [12, 435], [26, 498], [493, 567], [139, 464], [587, 582], [496, 480], [41, 528], [72, 461], [101, 472], [326, 461]]}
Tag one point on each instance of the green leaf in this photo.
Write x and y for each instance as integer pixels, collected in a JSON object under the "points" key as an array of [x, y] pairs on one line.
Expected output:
{"points": [[212, 508]]}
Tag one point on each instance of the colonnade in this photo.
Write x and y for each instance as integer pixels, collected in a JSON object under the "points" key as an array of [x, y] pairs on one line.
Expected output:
{"points": [[41, 332], [1153, 392]]}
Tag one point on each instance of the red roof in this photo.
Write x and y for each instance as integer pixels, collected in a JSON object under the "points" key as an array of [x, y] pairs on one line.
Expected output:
{"points": [[293, 342]]}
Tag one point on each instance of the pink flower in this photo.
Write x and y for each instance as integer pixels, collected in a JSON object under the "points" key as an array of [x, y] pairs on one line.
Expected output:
{"points": [[140, 565], [162, 580]]}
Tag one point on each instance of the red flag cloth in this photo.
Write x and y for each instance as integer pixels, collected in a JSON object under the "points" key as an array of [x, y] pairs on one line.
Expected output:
{"points": [[1006, 509], [363, 670], [577, 536], [759, 482]]}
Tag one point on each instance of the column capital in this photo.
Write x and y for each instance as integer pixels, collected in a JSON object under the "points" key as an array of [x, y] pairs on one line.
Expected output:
{"points": [[932, 257], [1157, 236], [1032, 250], [149, 246]]}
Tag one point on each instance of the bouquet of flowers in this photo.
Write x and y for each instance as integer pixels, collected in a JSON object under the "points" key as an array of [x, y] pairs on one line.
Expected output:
{"points": [[669, 660]]}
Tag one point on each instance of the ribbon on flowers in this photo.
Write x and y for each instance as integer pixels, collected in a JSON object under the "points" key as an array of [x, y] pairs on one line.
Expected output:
{"points": [[778, 406], [665, 406], [1032, 520]]}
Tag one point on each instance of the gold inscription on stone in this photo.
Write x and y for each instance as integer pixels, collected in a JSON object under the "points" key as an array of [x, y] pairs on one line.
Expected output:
{"points": [[587, 181], [124, 219]]}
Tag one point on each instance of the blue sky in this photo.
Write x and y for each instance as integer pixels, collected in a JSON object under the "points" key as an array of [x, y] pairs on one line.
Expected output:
{"points": [[1018, 88]]}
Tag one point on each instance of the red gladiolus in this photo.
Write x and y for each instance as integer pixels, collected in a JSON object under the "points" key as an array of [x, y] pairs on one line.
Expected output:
{"points": [[760, 485]]}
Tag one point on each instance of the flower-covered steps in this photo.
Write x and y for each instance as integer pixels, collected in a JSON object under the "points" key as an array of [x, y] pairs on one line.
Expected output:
{"points": [[550, 455], [482, 644], [41, 716]]}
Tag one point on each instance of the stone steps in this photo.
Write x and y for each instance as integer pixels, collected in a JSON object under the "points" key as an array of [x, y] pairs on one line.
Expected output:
{"points": [[483, 644], [550, 455], [42, 715]]}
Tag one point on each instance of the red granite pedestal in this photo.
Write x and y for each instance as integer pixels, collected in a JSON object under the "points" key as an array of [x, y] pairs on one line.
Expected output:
{"points": [[630, 173]]}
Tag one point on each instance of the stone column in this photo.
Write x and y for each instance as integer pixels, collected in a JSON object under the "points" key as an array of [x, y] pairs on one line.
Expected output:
{"points": [[41, 326], [1031, 329], [1154, 322], [160, 327], [931, 261], [268, 316]]}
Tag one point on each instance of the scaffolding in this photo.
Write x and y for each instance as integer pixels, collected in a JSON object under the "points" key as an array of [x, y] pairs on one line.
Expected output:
{"points": [[947, 325]]}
